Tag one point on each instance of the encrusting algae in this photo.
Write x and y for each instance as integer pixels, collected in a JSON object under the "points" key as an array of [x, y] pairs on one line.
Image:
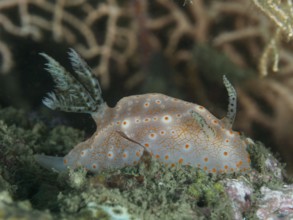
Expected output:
{"points": [[171, 130]]}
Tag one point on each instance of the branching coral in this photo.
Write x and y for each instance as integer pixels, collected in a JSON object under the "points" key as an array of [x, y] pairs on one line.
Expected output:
{"points": [[72, 22], [281, 13], [126, 33], [268, 104]]}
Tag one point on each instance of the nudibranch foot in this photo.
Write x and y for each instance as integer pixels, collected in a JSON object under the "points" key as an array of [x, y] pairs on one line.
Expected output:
{"points": [[50, 162]]}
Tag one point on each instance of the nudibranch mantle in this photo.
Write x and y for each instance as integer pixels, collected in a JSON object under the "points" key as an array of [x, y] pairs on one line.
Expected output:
{"points": [[171, 130]]}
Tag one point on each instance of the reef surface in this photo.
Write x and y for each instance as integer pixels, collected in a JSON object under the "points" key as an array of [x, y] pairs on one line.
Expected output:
{"points": [[146, 191]]}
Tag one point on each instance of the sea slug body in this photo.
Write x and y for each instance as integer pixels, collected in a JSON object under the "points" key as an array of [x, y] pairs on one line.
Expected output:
{"points": [[171, 130]]}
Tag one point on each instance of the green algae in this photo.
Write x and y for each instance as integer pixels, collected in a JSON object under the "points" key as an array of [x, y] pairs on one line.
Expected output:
{"points": [[10, 209], [153, 191], [20, 138], [146, 191]]}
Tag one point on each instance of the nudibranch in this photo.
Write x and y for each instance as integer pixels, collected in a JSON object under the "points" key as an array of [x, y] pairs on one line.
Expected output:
{"points": [[171, 130]]}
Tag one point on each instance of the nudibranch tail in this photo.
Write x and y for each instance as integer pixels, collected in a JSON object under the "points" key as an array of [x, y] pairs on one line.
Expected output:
{"points": [[231, 113], [79, 92], [50, 162]]}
